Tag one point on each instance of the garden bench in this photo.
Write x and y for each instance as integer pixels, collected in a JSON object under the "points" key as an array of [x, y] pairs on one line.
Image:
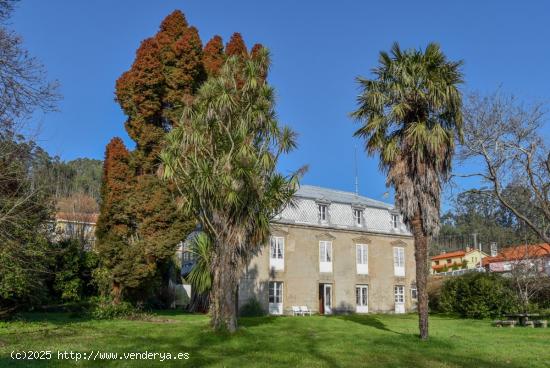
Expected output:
{"points": [[305, 310], [541, 323], [296, 311], [504, 323], [529, 324]]}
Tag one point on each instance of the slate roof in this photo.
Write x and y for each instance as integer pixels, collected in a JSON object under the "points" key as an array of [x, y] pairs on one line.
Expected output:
{"points": [[333, 195]]}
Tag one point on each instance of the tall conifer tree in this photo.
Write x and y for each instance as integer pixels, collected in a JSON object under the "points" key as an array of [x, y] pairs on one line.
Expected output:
{"points": [[167, 71]]}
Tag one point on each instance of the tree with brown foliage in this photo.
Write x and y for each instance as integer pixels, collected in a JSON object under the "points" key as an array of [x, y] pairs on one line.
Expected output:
{"points": [[213, 55], [113, 225], [167, 71]]}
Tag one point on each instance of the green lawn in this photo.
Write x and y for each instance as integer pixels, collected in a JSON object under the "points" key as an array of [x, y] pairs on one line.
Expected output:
{"points": [[336, 341]]}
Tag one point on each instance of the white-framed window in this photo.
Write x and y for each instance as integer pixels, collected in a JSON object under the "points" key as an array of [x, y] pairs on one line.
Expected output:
{"points": [[323, 212], [399, 292], [414, 293], [399, 295], [277, 253], [325, 256], [275, 297], [399, 261], [362, 298], [362, 258], [395, 221], [358, 217]]}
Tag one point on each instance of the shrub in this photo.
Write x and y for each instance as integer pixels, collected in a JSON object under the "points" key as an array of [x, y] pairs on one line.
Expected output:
{"points": [[72, 270], [477, 295], [103, 308], [252, 308]]}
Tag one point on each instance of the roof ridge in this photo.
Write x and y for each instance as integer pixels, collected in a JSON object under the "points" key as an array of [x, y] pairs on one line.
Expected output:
{"points": [[349, 193]]}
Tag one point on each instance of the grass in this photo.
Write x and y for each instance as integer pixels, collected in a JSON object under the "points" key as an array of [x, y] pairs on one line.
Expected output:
{"points": [[317, 341]]}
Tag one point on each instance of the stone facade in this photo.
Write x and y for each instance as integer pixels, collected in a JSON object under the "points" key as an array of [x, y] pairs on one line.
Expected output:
{"points": [[364, 257]]}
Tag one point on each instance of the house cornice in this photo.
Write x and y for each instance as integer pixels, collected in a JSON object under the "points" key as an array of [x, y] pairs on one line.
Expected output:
{"points": [[333, 229]]}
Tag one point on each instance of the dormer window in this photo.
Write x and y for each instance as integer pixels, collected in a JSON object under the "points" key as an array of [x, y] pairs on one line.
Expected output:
{"points": [[323, 212], [394, 221], [358, 217]]}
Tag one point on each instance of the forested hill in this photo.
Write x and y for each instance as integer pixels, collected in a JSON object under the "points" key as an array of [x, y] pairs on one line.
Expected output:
{"points": [[66, 179], [82, 175]]}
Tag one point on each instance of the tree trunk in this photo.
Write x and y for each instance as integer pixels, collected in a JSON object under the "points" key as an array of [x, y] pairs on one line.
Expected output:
{"points": [[224, 289], [116, 292], [421, 259]]}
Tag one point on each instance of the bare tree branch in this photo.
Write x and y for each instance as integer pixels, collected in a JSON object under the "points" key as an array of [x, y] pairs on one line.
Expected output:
{"points": [[505, 136]]}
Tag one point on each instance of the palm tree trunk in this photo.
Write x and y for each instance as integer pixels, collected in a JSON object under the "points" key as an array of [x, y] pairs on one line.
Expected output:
{"points": [[224, 289], [421, 258]]}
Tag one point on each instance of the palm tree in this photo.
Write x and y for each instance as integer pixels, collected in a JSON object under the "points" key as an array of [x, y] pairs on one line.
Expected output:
{"points": [[200, 276], [411, 116], [222, 158]]}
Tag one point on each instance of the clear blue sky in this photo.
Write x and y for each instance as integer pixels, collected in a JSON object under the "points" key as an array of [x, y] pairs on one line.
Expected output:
{"points": [[318, 48]]}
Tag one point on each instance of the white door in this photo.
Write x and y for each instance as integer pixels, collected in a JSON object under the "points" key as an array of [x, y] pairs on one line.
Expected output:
{"points": [[362, 299], [327, 292], [275, 297], [399, 291]]}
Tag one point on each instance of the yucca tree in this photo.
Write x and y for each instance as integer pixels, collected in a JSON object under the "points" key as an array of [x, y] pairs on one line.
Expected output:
{"points": [[222, 158], [200, 276], [411, 116]]}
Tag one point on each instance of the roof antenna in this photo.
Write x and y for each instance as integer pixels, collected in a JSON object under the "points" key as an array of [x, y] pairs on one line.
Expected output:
{"points": [[356, 179]]}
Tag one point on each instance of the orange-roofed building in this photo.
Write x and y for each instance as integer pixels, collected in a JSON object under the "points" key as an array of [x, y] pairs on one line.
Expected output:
{"points": [[457, 260], [536, 254]]}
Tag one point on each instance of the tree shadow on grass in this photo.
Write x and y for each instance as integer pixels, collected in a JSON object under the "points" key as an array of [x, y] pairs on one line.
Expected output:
{"points": [[257, 321], [367, 320]]}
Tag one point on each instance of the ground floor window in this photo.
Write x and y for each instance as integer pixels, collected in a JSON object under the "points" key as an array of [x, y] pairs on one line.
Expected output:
{"points": [[275, 297], [414, 294], [275, 292], [399, 291], [362, 295]]}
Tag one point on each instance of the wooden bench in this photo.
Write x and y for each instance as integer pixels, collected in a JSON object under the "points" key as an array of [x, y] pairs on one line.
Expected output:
{"points": [[541, 323], [509, 323], [529, 324]]}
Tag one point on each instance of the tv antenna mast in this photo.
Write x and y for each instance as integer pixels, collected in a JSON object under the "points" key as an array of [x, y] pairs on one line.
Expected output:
{"points": [[356, 177]]}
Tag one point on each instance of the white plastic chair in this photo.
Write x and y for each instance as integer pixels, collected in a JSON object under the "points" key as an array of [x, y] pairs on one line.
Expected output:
{"points": [[296, 311], [305, 310]]}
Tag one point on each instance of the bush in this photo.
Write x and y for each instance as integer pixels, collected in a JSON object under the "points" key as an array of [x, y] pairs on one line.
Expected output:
{"points": [[477, 295], [103, 308], [72, 270], [252, 308]]}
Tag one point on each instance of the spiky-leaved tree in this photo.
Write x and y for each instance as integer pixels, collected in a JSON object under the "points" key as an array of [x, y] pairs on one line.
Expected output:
{"points": [[411, 116], [222, 156]]}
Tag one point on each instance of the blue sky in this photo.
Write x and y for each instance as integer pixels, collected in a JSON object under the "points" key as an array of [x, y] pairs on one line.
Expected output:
{"points": [[318, 48]]}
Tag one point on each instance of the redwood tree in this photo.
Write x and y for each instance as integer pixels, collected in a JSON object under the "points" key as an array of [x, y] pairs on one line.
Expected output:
{"points": [[167, 71]]}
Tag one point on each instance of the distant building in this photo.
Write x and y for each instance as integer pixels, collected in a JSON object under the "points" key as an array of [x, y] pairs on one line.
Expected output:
{"points": [[75, 225], [334, 252], [535, 255], [457, 260]]}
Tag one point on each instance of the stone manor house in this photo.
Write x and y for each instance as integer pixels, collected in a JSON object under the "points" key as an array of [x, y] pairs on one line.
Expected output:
{"points": [[334, 252]]}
